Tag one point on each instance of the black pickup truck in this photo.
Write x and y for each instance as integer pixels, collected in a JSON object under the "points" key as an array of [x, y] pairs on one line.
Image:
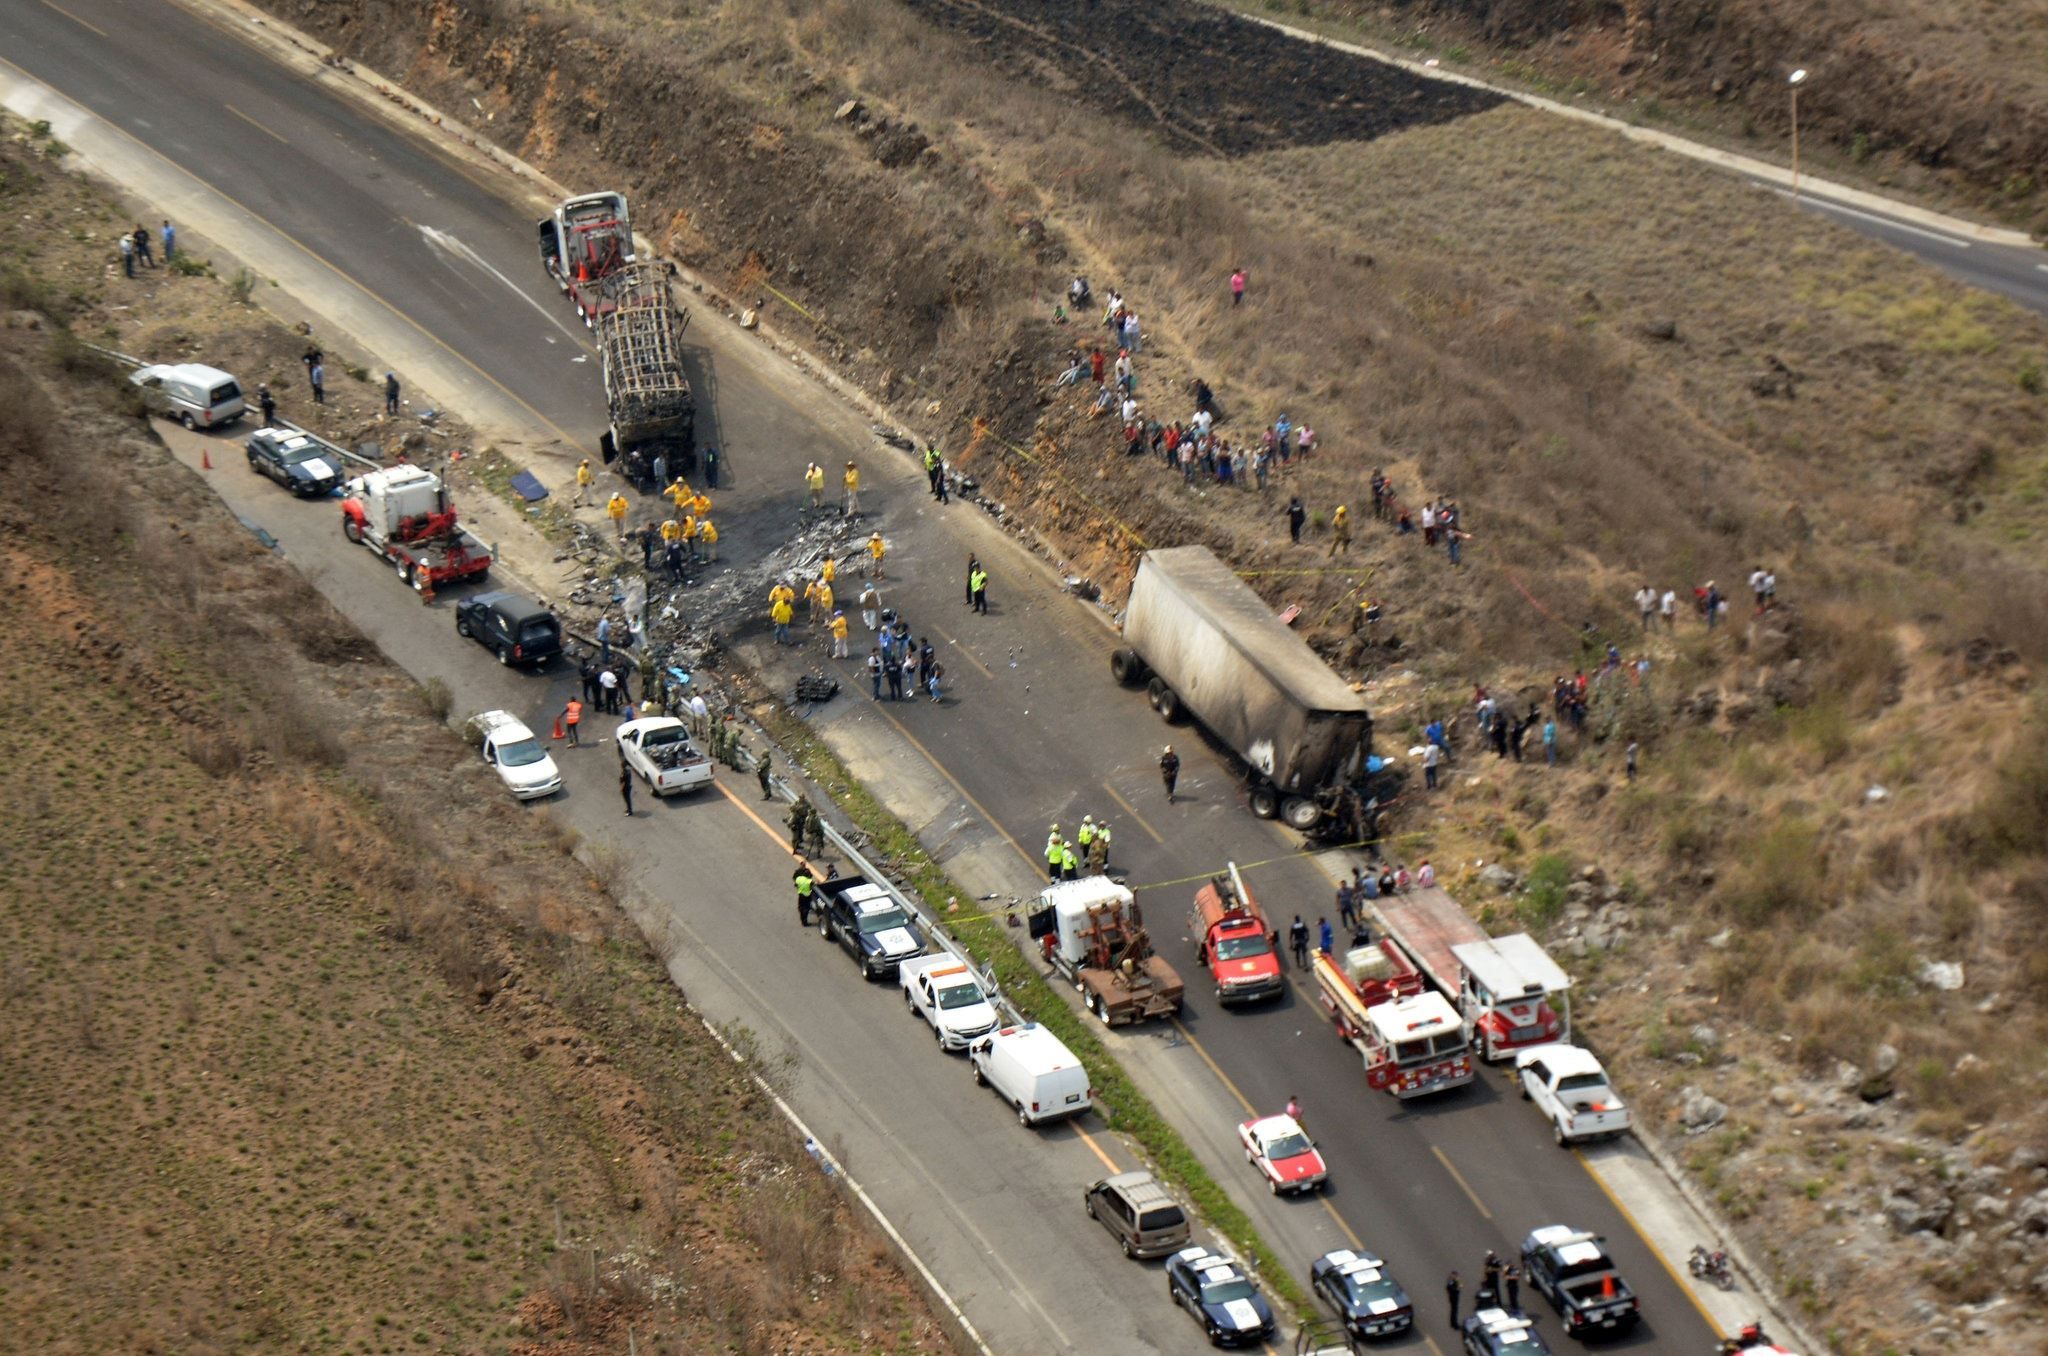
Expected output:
{"points": [[869, 925], [1572, 1270]]}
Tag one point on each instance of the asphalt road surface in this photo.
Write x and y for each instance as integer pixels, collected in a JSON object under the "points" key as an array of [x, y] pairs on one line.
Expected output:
{"points": [[2012, 271], [1036, 730]]}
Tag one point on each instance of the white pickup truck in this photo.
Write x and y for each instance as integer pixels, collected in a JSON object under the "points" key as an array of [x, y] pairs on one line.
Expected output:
{"points": [[659, 749], [1571, 1088]]}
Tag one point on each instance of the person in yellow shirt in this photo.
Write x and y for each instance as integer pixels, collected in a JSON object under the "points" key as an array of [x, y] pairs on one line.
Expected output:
{"points": [[839, 635], [583, 479], [852, 481], [829, 572], [615, 508], [814, 480], [780, 612], [781, 593], [877, 548], [707, 533], [824, 599], [678, 494], [1340, 529], [701, 505], [811, 599], [671, 532]]}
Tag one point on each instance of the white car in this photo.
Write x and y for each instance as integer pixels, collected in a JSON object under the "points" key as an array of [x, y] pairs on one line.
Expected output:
{"points": [[517, 757], [659, 749], [944, 992], [1283, 1153]]}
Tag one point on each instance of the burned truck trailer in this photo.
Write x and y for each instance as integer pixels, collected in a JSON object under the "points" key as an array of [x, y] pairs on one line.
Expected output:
{"points": [[1204, 644]]}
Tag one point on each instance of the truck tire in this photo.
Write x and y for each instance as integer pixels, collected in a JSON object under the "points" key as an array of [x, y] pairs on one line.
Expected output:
{"points": [[191, 424], [824, 926], [404, 568], [505, 655], [1557, 1133], [1128, 668], [353, 530], [1265, 802], [1300, 813]]}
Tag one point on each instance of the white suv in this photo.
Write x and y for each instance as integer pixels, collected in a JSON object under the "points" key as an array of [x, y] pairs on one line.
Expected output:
{"points": [[518, 758]]}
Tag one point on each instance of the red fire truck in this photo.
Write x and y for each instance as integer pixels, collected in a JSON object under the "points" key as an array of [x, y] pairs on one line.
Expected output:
{"points": [[1412, 1040], [1232, 939]]}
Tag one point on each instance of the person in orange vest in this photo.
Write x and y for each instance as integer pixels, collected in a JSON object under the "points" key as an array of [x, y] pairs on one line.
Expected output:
{"points": [[852, 482], [877, 548], [583, 479], [615, 509], [572, 716]]}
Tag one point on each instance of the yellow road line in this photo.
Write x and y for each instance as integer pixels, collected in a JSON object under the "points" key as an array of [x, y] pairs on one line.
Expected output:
{"points": [[1132, 811], [1089, 1140], [965, 653], [1430, 1342], [1684, 1286], [1463, 1185], [1214, 1067], [74, 18], [748, 811], [327, 264], [253, 123], [1348, 1233]]}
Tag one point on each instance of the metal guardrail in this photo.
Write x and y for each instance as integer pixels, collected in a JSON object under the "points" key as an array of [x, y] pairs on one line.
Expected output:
{"points": [[910, 905]]}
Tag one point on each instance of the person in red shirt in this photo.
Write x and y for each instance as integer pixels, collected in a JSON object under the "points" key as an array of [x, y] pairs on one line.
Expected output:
{"points": [[1095, 364]]}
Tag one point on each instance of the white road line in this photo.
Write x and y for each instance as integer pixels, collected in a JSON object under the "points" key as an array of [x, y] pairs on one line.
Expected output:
{"points": [[449, 245], [1890, 223]]}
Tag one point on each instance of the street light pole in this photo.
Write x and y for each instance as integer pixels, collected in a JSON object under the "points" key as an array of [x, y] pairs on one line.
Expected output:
{"points": [[1797, 79]]}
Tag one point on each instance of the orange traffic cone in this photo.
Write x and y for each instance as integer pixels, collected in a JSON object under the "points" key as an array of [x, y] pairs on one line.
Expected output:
{"points": [[205, 460], [558, 728]]}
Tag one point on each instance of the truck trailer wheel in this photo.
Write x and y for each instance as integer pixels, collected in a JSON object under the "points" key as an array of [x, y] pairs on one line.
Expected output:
{"points": [[353, 530], [1300, 813], [1163, 700], [1265, 802], [1128, 668]]}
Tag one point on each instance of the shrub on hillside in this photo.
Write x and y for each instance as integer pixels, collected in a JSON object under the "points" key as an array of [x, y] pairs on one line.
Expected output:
{"points": [[1781, 875], [2011, 818]]}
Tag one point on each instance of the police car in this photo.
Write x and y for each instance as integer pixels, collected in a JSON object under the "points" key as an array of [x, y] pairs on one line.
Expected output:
{"points": [[1356, 1285], [1571, 1269], [869, 926], [1220, 1297], [1496, 1332]]}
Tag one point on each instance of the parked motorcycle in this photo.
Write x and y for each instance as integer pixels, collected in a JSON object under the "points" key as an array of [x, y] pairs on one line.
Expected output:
{"points": [[1711, 1265]]}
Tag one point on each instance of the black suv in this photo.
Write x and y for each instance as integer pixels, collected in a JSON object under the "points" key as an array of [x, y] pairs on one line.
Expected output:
{"points": [[517, 630], [869, 925], [1572, 1270]]}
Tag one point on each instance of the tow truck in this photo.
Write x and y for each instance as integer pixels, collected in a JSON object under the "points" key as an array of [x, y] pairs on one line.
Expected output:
{"points": [[1411, 1039], [1090, 932], [583, 241], [404, 514], [1503, 986], [1233, 941]]}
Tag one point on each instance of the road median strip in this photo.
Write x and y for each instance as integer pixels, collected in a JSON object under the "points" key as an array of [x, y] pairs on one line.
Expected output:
{"points": [[984, 936]]}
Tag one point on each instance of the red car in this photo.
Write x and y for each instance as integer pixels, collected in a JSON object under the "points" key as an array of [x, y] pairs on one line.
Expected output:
{"points": [[1279, 1148]]}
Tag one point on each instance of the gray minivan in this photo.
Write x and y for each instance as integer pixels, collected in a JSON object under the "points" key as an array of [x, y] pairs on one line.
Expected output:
{"points": [[195, 395], [1145, 1220]]}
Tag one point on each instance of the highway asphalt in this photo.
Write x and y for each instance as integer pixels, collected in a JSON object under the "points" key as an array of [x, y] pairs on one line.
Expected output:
{"points": [[1037, 731]]}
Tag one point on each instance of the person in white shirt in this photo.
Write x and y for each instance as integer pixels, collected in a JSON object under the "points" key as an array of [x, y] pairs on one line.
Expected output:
{"points": [[1668, 605], [1130, 409], [1646, 603]]}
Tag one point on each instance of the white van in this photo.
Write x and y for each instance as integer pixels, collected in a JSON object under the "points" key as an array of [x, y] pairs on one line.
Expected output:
{"points": [[1031, 1070], [194, 395]]}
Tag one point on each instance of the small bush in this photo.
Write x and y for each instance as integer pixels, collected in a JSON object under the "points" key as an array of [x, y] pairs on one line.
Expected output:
{"points": [[242, 286], [437, 698], [189, 266], [1544, 895], [1782, 874], [2012, 817]]}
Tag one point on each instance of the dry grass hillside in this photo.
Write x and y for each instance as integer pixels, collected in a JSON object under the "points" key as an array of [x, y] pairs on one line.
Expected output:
{"points": [[1625, 370], [315, 1042], [1948, 100]]}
